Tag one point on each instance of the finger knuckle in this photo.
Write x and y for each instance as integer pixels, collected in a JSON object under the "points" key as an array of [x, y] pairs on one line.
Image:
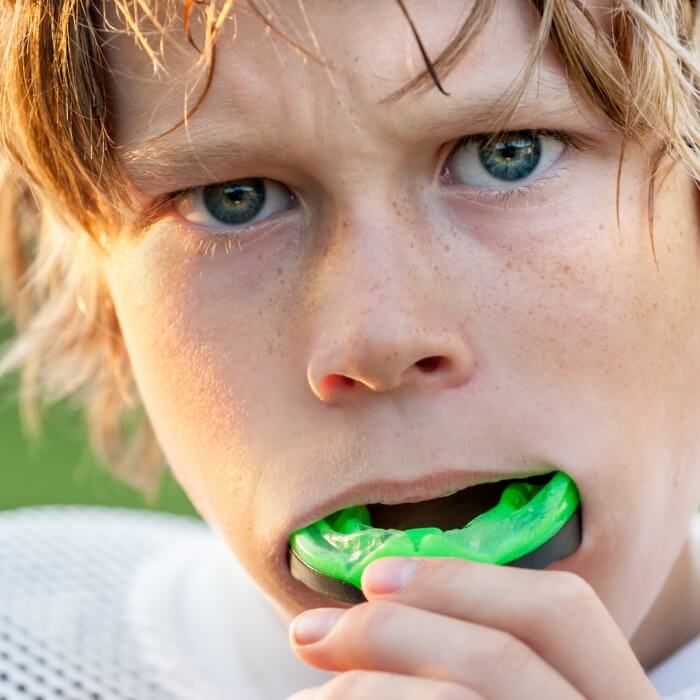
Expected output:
{"points": [[509, 652], [570, 589]]}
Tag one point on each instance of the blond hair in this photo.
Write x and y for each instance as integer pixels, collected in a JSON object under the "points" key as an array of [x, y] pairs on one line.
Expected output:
{"points": [[61, 191]]}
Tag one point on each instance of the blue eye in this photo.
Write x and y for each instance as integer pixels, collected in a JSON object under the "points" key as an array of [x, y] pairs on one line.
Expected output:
{"points": [[236, 203], [491, 160], [512, 158]]}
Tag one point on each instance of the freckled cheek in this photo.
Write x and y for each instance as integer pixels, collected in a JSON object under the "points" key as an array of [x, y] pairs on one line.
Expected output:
{"points": [[562, 291], [200, 358], [225, 304], [205, 397], [210, 359]]}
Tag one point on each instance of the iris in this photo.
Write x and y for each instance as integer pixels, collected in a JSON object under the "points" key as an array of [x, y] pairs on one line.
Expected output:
{"points": [[236, 202], [512, 157]]}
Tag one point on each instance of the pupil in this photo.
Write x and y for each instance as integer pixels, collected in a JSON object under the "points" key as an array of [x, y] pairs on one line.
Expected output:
{"points": [[514, 157], [236, 202]]}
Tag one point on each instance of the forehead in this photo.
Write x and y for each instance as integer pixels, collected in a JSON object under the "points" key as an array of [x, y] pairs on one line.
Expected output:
{"points": [[322, 64]]}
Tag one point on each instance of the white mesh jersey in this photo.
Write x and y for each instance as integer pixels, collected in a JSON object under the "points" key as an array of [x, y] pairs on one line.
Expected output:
{"points": [[119, 604]]}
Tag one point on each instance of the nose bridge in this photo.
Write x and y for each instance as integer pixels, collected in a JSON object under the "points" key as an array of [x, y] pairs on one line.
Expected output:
{"points": [[382, 320], [383, 256], [378, 262]]}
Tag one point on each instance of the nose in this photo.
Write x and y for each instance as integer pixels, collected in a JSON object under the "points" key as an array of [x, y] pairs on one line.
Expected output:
{"points": [[383, 360], [386, 337]]}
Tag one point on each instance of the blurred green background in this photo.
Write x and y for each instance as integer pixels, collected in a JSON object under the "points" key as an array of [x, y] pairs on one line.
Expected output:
{"points": [[59, 467]]}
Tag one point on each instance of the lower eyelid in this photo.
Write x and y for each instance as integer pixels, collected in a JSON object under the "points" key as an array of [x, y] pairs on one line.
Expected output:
{"points": [[233, 231], [491, 196], [205, 241]]}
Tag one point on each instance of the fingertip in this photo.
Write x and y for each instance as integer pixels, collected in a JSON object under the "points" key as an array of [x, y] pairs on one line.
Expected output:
{"points": [[389, 574], [313, 625]]}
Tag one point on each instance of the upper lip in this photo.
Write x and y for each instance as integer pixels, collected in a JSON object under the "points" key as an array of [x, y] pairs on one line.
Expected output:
{"points": [[434, 484]]}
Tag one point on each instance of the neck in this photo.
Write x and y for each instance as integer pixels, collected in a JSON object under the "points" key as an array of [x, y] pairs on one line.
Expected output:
{"points": [[674, 618]]}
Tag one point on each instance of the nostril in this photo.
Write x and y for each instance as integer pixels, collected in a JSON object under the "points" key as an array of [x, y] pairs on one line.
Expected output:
{"points": [[429, 364], [336, 380]]}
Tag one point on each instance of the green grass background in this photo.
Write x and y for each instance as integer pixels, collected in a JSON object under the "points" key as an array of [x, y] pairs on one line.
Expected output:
{"points": [[59, 467]]}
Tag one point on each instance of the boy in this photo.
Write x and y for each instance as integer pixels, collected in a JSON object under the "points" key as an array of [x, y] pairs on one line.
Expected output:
{"points": [[343, 280]]}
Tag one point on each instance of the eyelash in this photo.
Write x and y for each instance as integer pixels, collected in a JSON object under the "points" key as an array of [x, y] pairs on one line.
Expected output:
{"points": [[206, 244]]}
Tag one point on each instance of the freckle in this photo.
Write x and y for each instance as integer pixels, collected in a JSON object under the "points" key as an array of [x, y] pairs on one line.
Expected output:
{"points": [[509, 265], [279, 271], [447, 249]]}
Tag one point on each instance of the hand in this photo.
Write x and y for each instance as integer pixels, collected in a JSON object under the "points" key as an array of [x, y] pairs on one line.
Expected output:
{"points": [[459, 630]]}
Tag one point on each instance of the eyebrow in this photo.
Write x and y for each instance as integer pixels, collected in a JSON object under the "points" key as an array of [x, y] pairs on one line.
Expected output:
{"points": [[212, 145], [548, 99]]}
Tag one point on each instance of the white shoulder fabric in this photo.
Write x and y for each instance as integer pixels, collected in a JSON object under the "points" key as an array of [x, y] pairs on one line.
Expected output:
{"points": [[119, 604]]}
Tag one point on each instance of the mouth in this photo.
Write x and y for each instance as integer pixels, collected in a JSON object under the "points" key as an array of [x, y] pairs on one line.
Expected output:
{"points": [[446, 512], [524, 521]]}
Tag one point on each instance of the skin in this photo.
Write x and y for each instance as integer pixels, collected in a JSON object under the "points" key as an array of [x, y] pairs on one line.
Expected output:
{"points": [[561, 344]]}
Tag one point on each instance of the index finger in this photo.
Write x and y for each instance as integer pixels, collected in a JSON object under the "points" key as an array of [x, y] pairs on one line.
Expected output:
{"points": [[556, 613]]}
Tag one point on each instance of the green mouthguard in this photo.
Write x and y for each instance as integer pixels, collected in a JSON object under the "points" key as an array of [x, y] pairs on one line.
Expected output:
{"points": [[527, 516]]}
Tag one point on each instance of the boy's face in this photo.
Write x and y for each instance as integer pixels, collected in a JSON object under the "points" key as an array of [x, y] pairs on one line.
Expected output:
{"points": [[559, 343]]}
